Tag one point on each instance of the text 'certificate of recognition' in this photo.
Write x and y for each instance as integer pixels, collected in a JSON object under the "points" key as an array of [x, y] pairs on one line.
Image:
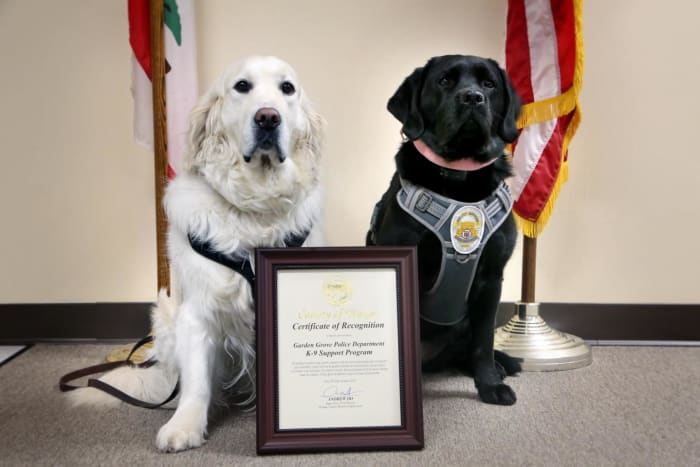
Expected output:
{"points": [[338, 348]]}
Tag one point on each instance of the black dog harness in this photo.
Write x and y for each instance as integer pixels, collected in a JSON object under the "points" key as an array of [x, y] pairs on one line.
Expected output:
{"points": [[234, 261], [463, 229]]}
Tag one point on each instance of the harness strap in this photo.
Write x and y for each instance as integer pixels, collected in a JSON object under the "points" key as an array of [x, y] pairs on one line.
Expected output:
{"points": [[109, 389], [233, 261], [240, 265]]}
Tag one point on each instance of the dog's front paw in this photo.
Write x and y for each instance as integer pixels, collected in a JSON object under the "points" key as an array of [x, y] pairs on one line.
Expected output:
{"points": [[500, 394], [180, 434]]}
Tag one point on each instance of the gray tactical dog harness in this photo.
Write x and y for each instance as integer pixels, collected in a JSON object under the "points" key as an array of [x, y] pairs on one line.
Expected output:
{"points": [[463, 229]]}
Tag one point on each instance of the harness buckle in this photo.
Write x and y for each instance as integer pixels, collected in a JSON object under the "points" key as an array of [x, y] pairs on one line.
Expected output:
{"points": [[424, 201], [463, 259]]}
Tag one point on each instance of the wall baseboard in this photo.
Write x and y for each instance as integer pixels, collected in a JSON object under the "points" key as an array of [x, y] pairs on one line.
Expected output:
{"points": [[26, 323], [618, 322], [45, 322]]}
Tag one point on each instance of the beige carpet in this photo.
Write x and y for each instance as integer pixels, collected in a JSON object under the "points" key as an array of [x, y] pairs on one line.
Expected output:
{"points": [[635, 406]]}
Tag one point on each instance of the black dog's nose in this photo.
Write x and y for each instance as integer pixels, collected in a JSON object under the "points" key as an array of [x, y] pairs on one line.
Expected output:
{"points": [[472, 97], [267, 118]]}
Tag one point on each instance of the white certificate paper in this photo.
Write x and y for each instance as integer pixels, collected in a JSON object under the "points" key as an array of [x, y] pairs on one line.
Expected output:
{"points": [[338, 348]]}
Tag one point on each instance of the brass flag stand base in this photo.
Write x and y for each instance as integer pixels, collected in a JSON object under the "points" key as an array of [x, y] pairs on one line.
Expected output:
{"points": [[539, 347], [527, 337]]}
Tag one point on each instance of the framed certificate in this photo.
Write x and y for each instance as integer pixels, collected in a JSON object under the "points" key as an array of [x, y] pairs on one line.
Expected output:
{"points": [[338, 364]]}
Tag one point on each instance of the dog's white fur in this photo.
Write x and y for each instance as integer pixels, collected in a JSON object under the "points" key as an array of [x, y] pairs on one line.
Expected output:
{"points": [[204, 334]]}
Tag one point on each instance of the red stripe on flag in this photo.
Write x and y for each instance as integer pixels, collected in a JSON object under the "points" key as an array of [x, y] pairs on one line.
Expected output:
{"points": [[517, 50], [563, 14], [140, 33]]}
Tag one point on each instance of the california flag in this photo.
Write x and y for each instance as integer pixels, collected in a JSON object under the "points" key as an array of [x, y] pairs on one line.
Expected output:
{"points": [[180, 79]]}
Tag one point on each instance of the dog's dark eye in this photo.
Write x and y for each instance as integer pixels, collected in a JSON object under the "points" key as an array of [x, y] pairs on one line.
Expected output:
{"points": [[489, 84], [287, 88], [242, 86], [444, 81]]}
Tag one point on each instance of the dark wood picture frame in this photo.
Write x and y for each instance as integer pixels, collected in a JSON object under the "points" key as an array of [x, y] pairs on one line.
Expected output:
{"points": [[409, 435]]}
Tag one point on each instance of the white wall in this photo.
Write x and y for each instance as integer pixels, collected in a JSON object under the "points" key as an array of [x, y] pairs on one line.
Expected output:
{"points": [[76, 194], [626, 225]]}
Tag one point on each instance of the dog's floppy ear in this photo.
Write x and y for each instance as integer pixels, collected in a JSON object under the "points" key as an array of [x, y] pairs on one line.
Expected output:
{"points": [[205, 135], [405, 104], [508, 131], [314, 129]]}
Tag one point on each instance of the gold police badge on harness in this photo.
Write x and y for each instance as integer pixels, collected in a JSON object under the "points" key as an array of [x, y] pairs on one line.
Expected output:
{"points": [[467, 229]]}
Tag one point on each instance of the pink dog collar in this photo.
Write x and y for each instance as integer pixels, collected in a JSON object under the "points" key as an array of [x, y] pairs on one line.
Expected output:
{"points": [[465, 165]]}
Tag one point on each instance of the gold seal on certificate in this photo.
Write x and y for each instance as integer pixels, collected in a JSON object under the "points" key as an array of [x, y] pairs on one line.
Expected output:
{"points": [[341, 324], [337, 290]]}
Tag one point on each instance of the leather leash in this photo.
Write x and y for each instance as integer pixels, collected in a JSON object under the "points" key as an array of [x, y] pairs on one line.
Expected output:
{"points": [[109, 389]]}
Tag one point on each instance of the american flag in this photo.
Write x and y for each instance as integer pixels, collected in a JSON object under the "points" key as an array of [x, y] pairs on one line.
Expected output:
{"points": [[544, 59]]}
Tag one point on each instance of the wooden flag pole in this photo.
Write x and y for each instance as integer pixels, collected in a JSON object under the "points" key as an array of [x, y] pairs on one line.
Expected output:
{"points": [[527, 291], [160, 151], [160, 138]]}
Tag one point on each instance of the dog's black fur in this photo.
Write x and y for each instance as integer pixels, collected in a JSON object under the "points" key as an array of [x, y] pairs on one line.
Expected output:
{"points": [[461, 107]]}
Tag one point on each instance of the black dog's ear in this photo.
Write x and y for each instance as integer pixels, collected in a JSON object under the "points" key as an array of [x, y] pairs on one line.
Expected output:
{"points": [[405, 103], [508, 131]]}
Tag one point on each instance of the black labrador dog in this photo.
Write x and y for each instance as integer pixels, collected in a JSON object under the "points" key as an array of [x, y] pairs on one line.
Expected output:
{"points": [[448, 197]]}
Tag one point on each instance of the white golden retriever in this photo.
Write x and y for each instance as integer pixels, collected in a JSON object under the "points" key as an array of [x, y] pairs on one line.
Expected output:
{"points": [[250, 179]]}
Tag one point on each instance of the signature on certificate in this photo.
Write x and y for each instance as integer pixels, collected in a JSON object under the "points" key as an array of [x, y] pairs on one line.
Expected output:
{"points": [[339, 393]]}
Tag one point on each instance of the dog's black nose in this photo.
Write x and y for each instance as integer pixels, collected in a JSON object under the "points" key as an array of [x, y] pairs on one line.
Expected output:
{"points": [[472, 97], [267, 118]]}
